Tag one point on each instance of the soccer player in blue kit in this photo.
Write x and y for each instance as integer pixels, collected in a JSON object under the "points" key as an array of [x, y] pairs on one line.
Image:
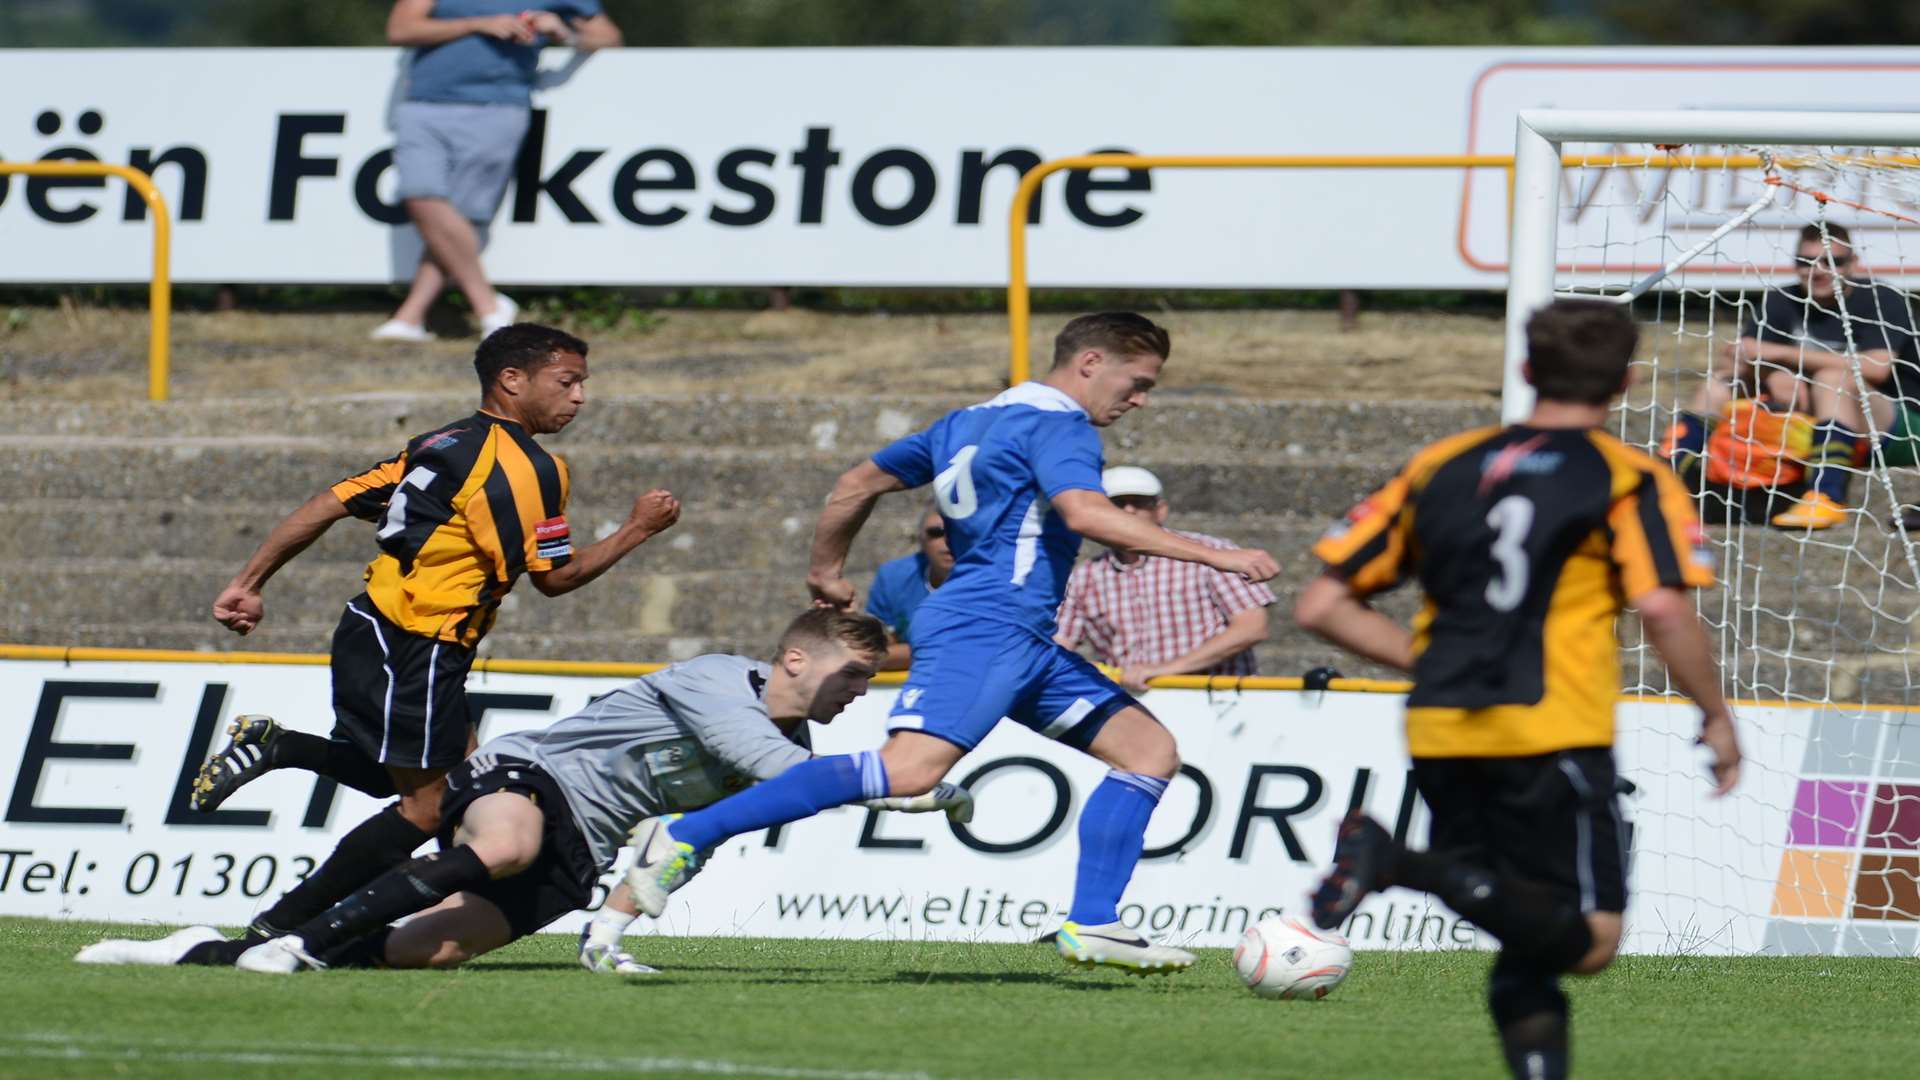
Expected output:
{"points": [[1017, 481]]}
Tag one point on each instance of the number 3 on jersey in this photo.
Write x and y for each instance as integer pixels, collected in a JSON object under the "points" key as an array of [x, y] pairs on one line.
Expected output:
{"points": [[1510, 519], [953, 488]]}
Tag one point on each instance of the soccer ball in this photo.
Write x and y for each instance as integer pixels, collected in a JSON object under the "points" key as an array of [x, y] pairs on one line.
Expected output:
{"points": [[1283, 958]]}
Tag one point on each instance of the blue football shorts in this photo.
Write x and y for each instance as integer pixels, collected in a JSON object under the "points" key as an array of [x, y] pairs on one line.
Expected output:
{"points": [[970, 673]]}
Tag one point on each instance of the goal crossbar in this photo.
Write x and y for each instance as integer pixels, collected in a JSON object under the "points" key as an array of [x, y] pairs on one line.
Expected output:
{"points": [[1540, 138]]}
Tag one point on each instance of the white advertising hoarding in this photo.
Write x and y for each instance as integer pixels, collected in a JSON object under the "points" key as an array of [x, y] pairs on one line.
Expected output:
{"points": [[860, 166], [95, 761]]}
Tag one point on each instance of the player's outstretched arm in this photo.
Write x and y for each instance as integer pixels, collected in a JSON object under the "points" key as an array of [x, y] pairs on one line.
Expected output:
{"points": [[1328, 606], [653, 513], [1674, 629], [848, 506], [239, 607], [1093, 515]]}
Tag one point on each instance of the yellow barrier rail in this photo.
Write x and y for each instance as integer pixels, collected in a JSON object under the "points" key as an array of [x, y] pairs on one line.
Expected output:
{"points": [[81, 654], [1019, 298], [160, 289]]}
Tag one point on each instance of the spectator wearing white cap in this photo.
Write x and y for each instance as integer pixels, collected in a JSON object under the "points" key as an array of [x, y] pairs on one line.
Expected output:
{"points": [[1150, 616]]}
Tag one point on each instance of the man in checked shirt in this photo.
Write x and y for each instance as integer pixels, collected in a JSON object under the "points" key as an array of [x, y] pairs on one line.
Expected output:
{"points": [[1150, 616]]}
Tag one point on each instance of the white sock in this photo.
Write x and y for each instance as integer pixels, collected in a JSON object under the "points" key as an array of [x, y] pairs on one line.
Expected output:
{"points": [[608, 927]]}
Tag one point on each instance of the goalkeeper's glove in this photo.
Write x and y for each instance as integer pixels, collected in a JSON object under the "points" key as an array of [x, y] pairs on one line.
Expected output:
{"points": [[952, 798]]}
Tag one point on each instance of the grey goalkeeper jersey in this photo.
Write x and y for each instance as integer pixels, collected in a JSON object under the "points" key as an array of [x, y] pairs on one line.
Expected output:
{"points": [[678, 739]]}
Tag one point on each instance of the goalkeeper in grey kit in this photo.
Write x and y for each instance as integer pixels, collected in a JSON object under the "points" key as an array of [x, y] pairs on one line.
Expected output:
{"points": [[532, 819]]}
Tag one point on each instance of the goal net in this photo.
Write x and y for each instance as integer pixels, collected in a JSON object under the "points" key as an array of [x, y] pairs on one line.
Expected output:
{"points": [[1767, 259]]}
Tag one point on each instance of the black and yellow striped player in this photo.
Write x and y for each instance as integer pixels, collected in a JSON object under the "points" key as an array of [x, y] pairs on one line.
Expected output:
{"points": [[1527, 542], [460, 516]]}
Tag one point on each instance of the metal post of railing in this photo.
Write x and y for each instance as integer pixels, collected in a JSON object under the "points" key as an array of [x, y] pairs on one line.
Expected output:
{"points": [[160, 289]]}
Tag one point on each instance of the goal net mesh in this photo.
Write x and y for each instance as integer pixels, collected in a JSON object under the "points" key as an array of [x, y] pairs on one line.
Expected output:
{"points": [[1775, 372]]}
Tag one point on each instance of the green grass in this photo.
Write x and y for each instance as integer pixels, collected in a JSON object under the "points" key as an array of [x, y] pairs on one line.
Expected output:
{"points": [[867, 1009]]}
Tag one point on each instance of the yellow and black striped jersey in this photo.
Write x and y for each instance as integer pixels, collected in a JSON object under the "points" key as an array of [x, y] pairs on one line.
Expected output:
{"points": [[463, 511], [1526, 542]]}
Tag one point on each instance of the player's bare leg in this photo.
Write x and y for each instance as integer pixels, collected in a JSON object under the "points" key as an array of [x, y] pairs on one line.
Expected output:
{"points": [[447, 935], [1113, 828]]}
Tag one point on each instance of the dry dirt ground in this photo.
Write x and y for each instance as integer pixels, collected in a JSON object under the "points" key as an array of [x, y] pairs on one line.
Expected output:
{"points": [[84, 353]]}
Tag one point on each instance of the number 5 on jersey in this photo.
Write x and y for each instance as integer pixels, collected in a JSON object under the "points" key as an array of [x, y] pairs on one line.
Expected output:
{"points": [[396, 519]]}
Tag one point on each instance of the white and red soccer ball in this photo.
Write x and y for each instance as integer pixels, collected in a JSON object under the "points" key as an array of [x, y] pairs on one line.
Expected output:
{"points": [[1284, 958]]}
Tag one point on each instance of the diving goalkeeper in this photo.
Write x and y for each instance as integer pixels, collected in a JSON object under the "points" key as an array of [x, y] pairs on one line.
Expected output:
{"points": [[532, 819]]}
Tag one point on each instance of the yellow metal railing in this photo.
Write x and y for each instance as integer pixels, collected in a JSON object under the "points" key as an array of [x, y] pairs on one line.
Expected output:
{"points": [[1019, 298], [160, 289], [80, 654]]}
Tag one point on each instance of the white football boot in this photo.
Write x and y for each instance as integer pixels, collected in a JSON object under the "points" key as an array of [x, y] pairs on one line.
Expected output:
{"points": [[283, 955], [604, 958], [159, 952], [1113, 945]]}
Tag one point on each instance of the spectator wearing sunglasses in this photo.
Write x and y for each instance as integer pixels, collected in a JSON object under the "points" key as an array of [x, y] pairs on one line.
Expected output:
{"points": [[1814, 345], [901, 584], [1150, 616]]}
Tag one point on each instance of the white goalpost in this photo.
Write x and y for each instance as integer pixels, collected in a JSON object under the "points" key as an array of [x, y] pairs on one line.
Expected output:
{"points": [[1765, 256]]}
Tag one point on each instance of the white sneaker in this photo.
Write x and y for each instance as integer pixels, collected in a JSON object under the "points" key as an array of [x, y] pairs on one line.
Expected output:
{"points": [[396, 330], [1113, 945], [611, 960], [159, 952], [661, 864], [505, 313], [282, 956]]}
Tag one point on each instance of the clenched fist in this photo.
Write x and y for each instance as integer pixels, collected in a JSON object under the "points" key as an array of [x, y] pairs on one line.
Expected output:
{"points": [[655, 512]]}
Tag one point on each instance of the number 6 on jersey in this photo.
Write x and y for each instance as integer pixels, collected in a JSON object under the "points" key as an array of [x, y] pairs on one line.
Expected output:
{"points": [[953, 487]]}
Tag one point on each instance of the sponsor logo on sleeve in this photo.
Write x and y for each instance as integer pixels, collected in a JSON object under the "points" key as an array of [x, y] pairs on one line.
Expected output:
{"points": [[440, 440], [551, 538]]}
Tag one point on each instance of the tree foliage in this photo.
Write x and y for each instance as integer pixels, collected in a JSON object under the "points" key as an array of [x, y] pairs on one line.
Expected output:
{"points": [[745, 23], [1373, 22]]}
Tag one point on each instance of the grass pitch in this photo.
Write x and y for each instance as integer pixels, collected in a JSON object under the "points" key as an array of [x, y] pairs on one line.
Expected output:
{"points": [[875, 1010]]}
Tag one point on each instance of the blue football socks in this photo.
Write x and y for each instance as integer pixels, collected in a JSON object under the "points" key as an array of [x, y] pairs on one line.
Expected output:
{"points": [[1113, 830], [800, 792]]}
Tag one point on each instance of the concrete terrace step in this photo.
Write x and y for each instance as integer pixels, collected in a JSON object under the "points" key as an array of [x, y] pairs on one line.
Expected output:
{"points": [[1287, 659], [265, 470], [851, 427], [705, 539]]}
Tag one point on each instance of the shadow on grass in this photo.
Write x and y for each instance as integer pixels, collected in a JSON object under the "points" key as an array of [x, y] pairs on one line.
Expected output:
{"points": [[524, 965], [975, 978]]}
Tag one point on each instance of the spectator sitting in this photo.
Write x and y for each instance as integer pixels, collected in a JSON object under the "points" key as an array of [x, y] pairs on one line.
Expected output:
{"points": [[1799, 345], [901, 584], [458, 131], [1150, 616]]}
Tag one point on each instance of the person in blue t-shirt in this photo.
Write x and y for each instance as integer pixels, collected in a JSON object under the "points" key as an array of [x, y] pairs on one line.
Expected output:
{"points": [[457, 133], [1017, 481], [900, 585]]}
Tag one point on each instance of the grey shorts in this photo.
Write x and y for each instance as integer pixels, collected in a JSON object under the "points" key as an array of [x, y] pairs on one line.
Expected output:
{"points": [[461, 153]]}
